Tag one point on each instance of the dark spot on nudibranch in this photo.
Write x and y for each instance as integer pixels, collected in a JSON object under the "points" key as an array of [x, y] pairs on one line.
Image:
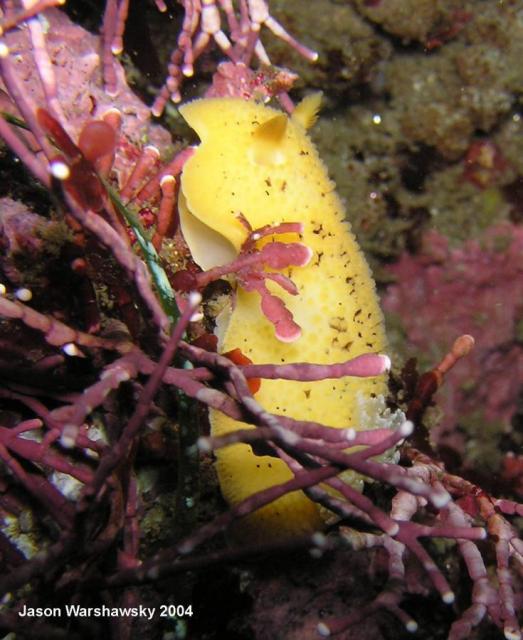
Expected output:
{"points": [[268, 182]]}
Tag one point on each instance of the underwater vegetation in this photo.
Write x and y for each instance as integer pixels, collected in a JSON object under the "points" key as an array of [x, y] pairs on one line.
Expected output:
{"points": [[485, 274], [206, 428]]}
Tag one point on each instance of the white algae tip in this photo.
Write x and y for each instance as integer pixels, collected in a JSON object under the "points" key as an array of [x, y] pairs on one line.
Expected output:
{"points": [[323, 630]]}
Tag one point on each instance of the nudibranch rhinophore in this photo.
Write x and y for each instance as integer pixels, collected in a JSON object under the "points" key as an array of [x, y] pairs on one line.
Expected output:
{"points": [[259, 163]]}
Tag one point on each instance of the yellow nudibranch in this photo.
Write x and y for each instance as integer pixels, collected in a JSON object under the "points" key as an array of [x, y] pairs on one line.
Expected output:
{"points": [[258, 162]]}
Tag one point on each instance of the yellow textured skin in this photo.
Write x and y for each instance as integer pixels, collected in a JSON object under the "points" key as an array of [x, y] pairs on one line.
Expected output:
{"points": [[270, 177]]}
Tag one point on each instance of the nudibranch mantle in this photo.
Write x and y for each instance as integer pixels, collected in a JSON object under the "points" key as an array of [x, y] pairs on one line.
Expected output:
{"points": [[258, 162]]}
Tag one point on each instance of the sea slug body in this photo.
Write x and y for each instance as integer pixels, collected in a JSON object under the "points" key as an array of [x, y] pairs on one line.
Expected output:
{"points": [[256, 162]]}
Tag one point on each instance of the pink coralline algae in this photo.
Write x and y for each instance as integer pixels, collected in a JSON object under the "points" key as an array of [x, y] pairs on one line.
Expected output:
{"points": [[203, 23], [475, 289], [236, 79], [250, 269], [69, 65]]}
